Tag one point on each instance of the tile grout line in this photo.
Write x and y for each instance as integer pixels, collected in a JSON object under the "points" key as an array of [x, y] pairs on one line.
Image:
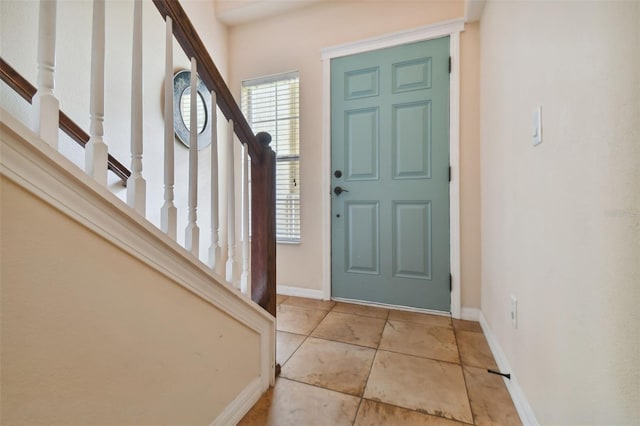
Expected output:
{"points": [[422, 357], [344, 343], [305, 338], [431, 359], [329, 340], [350, 343], [452, 328], [464, 376], [375, 355], [377, 349], [319, 387], [417, 356], [294, 351]]}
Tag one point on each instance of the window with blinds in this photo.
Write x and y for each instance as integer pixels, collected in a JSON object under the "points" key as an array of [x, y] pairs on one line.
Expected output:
{"points": [[272, 104]]}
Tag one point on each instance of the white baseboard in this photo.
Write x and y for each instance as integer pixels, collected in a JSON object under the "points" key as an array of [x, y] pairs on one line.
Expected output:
{"points": [[300, 292], [520, 401], [470, 314], [240, 406]]}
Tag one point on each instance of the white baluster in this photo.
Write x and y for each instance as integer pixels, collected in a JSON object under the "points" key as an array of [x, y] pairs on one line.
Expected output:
{"points": [[231, 207], [214, 250], [244, 277], [96, 151], [168, 213], [136, 185], [192, 238], [45, 104]]}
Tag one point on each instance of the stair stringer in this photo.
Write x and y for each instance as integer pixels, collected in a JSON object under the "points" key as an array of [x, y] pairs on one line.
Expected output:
{"points": [[29, 162]]}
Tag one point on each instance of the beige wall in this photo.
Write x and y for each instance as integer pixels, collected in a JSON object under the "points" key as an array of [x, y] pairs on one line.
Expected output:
{"points": [[293, 41], [97, 337], [470, 165], [561, 221], [18, 46]]}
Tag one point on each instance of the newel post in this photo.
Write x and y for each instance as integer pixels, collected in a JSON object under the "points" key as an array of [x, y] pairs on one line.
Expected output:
{"points": [[263, 226]]}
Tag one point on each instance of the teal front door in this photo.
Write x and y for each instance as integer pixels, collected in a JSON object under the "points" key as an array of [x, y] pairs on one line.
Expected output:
{"points": [[390, 176]]}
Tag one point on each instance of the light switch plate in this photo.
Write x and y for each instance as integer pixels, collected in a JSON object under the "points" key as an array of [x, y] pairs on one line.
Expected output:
{"points": [[537, 126]]}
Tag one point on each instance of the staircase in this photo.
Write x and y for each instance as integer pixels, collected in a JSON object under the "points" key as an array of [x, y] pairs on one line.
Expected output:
{"points": [[111, 313]]}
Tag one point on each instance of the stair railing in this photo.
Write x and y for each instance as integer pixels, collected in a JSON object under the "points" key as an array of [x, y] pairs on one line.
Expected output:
{"points": [[257, 254], [26, 90], [256, 148]]}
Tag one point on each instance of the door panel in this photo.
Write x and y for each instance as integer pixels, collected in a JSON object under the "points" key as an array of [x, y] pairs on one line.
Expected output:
{"points": [[412, 75], [411, 140], [363, 256], [361, 143], [390, 141], [361, 83], [412, 240]]}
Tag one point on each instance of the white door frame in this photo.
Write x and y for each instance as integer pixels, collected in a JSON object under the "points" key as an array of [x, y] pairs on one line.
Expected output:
{"points": [[452, 29]]}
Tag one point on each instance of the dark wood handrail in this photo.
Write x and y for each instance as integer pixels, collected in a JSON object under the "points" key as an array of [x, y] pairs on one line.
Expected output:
{"points": [[263, 160], [193, 47], [25, 89]]}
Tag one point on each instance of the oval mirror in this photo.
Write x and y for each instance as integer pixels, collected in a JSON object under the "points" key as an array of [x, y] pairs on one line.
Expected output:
{"points": [[185, 110], [182, 109]]}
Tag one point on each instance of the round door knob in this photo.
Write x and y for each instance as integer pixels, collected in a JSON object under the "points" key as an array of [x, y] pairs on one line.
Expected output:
{"points": [[339, 190]]}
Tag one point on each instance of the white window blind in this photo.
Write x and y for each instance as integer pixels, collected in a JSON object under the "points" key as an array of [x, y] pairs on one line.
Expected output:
{"points": [[272, 104]]}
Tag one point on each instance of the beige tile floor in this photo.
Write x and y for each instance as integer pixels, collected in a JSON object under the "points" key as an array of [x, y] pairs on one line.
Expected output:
{"points": [[346, 364]]}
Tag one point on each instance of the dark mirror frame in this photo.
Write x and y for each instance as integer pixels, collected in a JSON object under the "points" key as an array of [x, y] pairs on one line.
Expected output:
{"points": [[181, 82]]}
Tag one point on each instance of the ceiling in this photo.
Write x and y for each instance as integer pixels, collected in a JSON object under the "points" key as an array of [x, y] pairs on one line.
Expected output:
{"points": [[234, 12]]}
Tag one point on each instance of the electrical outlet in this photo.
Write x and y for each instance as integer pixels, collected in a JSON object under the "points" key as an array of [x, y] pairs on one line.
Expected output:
{"points": [[513, 314]]}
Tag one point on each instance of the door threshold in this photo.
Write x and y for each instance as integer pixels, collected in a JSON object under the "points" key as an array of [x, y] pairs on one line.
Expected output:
{"points": [[390, 306]]}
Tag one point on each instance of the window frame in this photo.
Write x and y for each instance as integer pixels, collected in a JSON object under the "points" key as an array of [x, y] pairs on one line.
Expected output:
{"points": [[289, 204]]}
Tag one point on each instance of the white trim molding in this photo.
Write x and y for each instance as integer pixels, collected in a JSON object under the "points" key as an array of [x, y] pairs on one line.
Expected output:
{"points": [[309, 293], [38, 168], [520, 401], [470, 314], [454, 184], [440, 29], [473, 10], [448, 28], [240, 406]]}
